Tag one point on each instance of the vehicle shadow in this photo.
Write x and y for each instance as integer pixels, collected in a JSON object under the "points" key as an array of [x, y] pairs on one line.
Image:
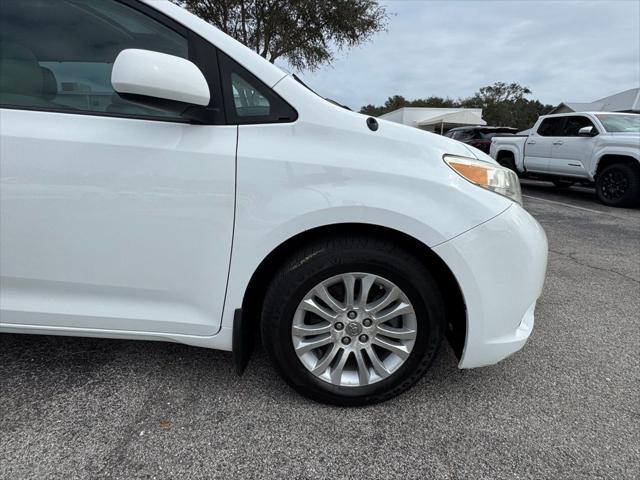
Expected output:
{"points": [[580, 193], [577, 196], [46, 365]]}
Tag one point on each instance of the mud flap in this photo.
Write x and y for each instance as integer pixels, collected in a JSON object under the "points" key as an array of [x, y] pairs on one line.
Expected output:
{"points": [[242, 343]]}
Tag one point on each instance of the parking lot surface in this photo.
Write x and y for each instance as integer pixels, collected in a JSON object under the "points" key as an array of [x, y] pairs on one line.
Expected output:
{"points": [[567, 406]]}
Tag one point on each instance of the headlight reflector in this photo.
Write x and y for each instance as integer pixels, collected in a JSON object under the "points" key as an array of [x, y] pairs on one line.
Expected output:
{"points": [[487, 175]]}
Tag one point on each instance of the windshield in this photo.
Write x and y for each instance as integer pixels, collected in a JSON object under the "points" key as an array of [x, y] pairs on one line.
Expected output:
{"points": [[620, 123]]}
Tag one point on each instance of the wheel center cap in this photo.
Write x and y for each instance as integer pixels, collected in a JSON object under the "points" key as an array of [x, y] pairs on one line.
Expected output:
{"points": [[354, 328]]}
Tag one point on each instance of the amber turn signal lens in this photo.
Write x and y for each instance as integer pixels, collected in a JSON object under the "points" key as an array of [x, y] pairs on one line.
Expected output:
{"points": [[488, 175], [473, 173]]}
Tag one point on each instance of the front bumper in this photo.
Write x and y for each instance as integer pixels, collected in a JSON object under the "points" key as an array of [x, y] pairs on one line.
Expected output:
{"points": [[500, 266]]}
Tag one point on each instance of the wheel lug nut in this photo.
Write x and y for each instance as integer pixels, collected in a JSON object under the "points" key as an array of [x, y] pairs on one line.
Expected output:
{"points": [[367, 322], [339, 326], [364, 338], [346, 340], [352, 314]]}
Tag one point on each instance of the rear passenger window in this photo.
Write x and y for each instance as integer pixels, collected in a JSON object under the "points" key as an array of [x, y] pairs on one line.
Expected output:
{"points": [[551, 127], [58, 54]]}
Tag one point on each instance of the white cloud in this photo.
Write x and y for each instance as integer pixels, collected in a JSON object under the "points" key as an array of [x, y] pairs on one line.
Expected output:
{"points": [[563, 50]]}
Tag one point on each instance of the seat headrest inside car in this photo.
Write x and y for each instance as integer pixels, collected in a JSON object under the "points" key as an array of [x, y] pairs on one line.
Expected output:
{"points": [[19, 71], [49, 84]]}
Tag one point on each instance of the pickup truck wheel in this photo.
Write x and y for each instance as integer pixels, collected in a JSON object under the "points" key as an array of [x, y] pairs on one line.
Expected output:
{"points": [[618, 185], [352, 321], [562, 183]]}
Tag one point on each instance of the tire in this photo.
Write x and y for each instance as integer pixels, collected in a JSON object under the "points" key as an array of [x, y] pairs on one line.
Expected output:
{"points": [[559, 183], [508, 162], [618, 185], [334, 258]]}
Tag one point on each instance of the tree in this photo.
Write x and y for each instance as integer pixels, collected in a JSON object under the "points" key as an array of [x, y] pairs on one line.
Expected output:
{"points": [[502, 105], [398, 101], [505, 105], [392, 103], [502, 92], [305, 33]]}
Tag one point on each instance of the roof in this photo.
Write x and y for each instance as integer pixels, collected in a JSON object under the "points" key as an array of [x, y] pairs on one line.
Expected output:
{"points": [[583, 106], [417, 116], [461, 117], [626, 101]]}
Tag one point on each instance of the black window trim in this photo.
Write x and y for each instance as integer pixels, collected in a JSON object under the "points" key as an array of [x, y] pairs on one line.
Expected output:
{"points": [[563, 121], [282, 111], [564, 125]]}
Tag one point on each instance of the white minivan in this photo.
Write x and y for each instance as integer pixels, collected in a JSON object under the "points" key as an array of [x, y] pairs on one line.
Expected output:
{"points": [[160, 181]]}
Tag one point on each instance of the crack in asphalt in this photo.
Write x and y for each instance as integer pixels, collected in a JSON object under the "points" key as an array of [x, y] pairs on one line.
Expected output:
{"points": [[572, 257]]}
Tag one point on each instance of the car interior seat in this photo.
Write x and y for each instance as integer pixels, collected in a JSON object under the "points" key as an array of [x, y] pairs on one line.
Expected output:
{"points": [[49, 84], [21, 78]]}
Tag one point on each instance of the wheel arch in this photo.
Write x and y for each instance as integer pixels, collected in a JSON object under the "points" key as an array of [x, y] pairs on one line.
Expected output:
{"points": [[508, 152], [612, 158], [505, 152], [450, 289]]}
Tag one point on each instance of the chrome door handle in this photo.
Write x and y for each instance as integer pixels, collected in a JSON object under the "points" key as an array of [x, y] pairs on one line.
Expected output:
{"points": [[558, 142], [532, 142]]}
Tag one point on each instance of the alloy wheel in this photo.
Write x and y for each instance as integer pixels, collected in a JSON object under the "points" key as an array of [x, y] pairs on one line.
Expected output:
{"points": [[354, 329], [614, 184]]}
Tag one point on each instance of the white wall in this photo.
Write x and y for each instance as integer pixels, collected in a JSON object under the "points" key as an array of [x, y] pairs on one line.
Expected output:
{"points": [[412, 115]]}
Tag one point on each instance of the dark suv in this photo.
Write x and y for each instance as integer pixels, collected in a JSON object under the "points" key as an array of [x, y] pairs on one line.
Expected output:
{"points": [[479, 137]]}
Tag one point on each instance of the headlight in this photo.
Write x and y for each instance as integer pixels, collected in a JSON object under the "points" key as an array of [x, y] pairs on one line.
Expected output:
{"points": [[487, 175]]}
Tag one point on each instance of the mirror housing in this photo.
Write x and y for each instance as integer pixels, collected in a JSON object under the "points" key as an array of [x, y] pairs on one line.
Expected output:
{"points": [[158, 75], [589, 131]]}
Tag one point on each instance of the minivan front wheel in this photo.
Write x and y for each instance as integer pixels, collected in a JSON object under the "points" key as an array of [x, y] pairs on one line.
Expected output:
{"points": [[352, 321]]}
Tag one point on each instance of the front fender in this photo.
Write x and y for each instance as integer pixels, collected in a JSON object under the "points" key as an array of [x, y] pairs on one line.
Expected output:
{"points": [[266, 217], [622, 151]]}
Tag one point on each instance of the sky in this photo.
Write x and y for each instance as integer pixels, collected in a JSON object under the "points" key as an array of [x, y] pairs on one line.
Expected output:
{"points": [[563, 50]]}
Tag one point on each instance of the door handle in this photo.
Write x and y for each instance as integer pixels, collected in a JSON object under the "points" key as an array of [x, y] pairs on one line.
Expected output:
{"points": [[531, 142], [558, 142]]}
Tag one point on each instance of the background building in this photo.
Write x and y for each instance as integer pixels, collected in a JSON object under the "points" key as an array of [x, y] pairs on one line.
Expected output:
{"points": [[438, 120], [627, 101]]}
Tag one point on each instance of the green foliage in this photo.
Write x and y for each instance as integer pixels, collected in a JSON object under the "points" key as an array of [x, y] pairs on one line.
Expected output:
{"points": [[502, 105], [303, 32], [398, 101], [502, 92]]}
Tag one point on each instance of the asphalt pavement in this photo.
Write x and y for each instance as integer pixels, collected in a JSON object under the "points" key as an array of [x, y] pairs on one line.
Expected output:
{"points": [[566, 407]]}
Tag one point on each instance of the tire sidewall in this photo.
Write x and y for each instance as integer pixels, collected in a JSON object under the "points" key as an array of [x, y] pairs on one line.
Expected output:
{"points": [[419, 288], [632, 194]]}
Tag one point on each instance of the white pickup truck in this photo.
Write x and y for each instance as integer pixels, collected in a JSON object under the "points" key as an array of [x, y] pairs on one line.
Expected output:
{"points": [[600, 148]]}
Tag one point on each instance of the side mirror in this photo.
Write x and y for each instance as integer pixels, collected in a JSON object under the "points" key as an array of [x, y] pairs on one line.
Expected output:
{"points": [[587, 132], [158, 75]]}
